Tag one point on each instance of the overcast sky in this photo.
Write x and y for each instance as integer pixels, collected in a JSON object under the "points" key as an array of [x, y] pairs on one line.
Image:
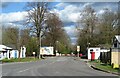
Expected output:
{"points": [[68, 12]]}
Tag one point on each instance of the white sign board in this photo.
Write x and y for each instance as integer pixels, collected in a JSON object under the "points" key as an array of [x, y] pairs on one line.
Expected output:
{"points": [[78, 48], [46, 51], [33, 52]]}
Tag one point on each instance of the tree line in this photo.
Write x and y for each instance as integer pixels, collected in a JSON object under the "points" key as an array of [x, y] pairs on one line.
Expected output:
{"points": [[97, 30]]}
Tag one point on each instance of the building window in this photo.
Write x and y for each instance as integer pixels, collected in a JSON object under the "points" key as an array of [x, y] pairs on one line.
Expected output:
{"points": [[91, 50], [97, 49], [115, 43]]}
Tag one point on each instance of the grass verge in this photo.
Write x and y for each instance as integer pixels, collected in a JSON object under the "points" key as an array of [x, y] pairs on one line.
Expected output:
{"points": [[27, 59], [103, 66]]}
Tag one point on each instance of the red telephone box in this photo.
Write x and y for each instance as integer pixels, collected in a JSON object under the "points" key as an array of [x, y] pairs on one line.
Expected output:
{"points": [[92, 56]]}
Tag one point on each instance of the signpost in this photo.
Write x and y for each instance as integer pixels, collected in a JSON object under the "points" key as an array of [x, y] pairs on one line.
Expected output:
{"points": [[78, 50], [34, 54]]}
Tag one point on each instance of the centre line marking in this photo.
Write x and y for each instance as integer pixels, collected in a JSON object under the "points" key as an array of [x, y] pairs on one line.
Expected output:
{"points": [[23, 70]]}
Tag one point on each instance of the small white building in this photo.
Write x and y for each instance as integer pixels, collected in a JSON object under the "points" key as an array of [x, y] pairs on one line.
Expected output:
{"points": [[4, 52], [14, 54], [97, 51], [23, 52], [94, 49], [8, 52]]}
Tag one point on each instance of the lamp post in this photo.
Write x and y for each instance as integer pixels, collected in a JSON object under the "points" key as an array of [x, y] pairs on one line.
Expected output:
{"points": [[56, 47], [88, 45], [78, 47], [78, 50], [40, 46]]}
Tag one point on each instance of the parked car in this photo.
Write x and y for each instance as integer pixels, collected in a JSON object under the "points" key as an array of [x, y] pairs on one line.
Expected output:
{"points": [[84, 56]]}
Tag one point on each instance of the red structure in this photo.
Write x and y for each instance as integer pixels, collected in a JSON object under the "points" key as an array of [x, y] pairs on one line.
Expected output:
{"points": [[80, 55], [92, 56]]}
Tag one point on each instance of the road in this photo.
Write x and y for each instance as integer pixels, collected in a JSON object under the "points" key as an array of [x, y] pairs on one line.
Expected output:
{"points": [[55, 66]]}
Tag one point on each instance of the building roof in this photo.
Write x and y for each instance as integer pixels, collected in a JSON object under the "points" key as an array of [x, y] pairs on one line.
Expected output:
{"points": [[104, 50], [117, 37], [3, 48]]}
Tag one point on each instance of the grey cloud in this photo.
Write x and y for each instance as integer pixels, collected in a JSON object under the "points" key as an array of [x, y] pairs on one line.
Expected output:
{"points": [[89, 0], [60, 1]]}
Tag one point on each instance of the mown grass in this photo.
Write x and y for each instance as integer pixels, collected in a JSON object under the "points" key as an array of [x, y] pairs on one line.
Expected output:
{"points": [[104, 66], [28, 59]]}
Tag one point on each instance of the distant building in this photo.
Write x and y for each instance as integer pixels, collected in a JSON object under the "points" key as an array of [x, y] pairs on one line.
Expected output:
{"points": [[14, 54], [23, 52], [8, 52], [4, 52], [97, 50], [94, 49], [116, 41]]}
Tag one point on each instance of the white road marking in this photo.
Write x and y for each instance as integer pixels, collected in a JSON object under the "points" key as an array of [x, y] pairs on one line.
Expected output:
{"points": [[23, 70], [31, 68]]}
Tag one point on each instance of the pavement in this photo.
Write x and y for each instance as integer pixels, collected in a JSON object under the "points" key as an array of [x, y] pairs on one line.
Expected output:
{"points": [[55, 66]]}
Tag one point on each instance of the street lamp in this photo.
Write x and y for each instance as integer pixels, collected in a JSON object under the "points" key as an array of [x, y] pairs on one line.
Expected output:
{"points": [[57, 46], [40, 46], [78, 47], [78, 50], [88, 45]]}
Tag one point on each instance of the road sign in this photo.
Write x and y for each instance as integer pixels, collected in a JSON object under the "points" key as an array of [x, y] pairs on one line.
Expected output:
{"points": [[33, 52], [78, 48]]}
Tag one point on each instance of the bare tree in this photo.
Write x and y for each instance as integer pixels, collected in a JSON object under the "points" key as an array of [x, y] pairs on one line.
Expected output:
{"points": [[36, 18], [54, 30], [88, 21], [24, 36]]}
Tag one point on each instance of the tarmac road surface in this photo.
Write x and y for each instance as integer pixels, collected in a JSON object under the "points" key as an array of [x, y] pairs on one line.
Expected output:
{"points": [[54, 66]]}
